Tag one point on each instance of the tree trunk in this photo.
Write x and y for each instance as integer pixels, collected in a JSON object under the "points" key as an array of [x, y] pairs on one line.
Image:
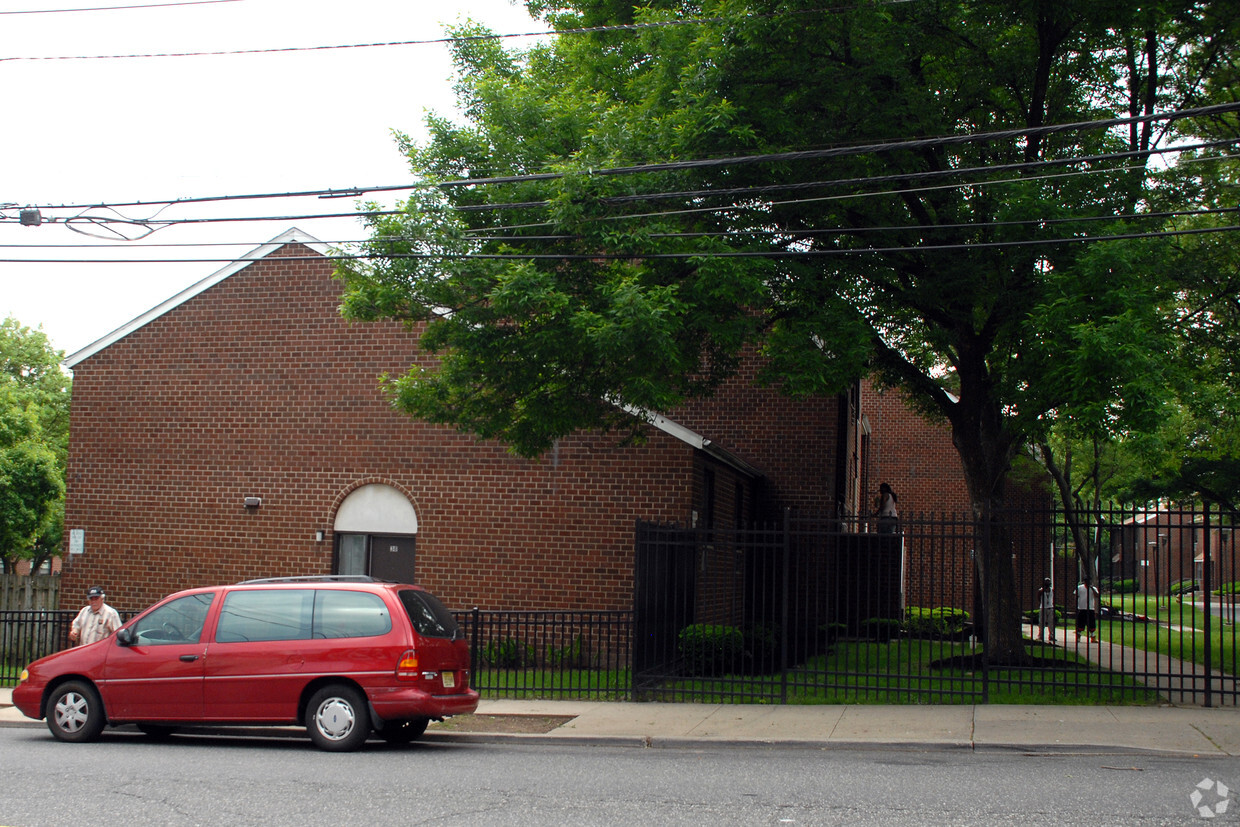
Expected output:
{"points": [[986, 450]]}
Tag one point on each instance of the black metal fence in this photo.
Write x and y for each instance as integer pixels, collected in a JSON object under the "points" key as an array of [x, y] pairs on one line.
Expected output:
{"points": [[831, 611], [26, 636], [550, 654], [837, 611]]}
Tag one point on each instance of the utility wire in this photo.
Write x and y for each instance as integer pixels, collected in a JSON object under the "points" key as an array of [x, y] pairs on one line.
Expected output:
{"points": [[630, 256], [620, 27], [801, 233], [852, 150], [757, 191], [861, 149], [119, 8]]}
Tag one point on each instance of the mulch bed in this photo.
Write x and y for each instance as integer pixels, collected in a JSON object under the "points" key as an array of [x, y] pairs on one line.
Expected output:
{"points": [[535, 724]]}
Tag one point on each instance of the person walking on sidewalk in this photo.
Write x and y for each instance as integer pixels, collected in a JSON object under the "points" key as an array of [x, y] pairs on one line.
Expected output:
{"points": [[96, 621], [1046, 612], [1087, 599]]}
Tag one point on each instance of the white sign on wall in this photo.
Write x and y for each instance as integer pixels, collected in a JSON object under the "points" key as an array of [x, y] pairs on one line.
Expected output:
{"points": [[77, 541]]}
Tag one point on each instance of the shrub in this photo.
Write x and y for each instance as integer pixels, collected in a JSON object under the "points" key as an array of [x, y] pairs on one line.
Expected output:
{"points": [[1182, 587], [1228, 588], [880, 629], [943, 622], [761, 648], [508, 653], [571, 655], [709, 649], [1124, 586], [831, 632]]}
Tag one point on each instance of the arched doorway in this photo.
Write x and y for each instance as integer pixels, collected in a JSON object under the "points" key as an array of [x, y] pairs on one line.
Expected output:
{"points": [[376, 531]]}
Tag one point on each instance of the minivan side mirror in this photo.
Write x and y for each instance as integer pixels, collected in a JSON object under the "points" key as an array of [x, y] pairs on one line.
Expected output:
{"points": [[124, 637]]}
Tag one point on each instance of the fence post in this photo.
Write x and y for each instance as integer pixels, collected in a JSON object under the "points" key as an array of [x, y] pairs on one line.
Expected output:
{"points": [[1208, 563], [473, 643], [783, 621]]}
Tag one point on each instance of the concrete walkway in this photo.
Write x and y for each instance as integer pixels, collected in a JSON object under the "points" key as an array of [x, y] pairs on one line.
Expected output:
{"points": [[1177, 681], [1041, 729]]}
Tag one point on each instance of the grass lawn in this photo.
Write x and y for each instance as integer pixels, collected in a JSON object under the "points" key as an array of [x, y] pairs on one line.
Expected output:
{"points": [[854, 672], [1176, 629]]}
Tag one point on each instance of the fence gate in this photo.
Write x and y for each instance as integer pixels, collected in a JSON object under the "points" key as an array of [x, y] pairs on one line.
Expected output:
{"points": [[739, 610]]}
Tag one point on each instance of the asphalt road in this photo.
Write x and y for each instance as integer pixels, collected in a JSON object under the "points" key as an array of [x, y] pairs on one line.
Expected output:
{"points": [[125, 779]]}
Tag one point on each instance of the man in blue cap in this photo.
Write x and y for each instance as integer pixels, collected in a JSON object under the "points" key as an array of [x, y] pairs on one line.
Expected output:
{"points": [[96, 621]]}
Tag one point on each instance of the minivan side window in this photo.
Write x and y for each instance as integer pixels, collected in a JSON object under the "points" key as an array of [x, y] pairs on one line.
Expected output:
{"points": [[350, 614], [177, 621], [265, 614], [428, 616]]}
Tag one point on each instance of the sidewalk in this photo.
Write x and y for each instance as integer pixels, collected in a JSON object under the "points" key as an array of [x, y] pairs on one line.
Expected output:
{"points": [[1043, 729]]}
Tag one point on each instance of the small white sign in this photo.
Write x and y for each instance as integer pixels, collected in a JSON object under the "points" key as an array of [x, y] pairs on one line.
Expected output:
{"points": [[77, 541]]}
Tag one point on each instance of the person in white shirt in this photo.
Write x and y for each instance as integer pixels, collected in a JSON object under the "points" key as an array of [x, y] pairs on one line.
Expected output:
{"points": [[96, 621], [1086, 610], [1046, 612]]}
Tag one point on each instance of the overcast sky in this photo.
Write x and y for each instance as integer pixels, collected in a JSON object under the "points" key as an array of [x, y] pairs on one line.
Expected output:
{"points": [[103, 131]]}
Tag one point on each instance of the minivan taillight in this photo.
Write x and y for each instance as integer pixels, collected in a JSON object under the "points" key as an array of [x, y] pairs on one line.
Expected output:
{"points": [[407, 666]]}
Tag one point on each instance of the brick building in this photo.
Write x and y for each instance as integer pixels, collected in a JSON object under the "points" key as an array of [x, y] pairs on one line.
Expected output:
{"points": [[237, 430]]}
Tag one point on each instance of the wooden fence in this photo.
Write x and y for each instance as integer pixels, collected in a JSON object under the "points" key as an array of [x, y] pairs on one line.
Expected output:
{"points": [[29, 592]]}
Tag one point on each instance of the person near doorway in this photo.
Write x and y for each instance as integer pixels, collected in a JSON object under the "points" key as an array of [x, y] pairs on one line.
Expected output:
{"points": [[1046, 612], [885, 508], [96, 621], [1087, 600]]}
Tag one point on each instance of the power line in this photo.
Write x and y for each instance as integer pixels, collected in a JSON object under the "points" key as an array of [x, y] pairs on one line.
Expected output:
{"points": [[119, 8], [759, 190], [800, 233], [860, 149], [630, 256], [329, 193], [694, 21]]}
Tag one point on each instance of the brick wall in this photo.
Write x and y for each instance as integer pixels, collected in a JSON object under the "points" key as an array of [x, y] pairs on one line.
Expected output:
{"points": [[257, 387]]}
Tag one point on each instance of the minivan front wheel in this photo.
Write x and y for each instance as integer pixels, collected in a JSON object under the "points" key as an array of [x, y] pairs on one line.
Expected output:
{"points": [[336, 718], [74, 712]]}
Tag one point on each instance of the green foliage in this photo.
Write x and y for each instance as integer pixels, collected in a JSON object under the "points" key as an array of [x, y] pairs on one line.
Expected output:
{"points": [[881, 629], [710, 649], [762, 648], [573, 654], [943, 622], [34, 439], [508, 653], [649, 207], [1182, 587], [1228, 589], [1128, 586]]}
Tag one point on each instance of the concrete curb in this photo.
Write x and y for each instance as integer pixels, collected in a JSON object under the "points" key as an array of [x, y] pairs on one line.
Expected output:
{"points": [[672, 742]]}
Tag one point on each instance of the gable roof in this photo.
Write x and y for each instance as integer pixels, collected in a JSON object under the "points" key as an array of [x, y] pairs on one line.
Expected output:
{"points": [[290, 236], [296, 236]]}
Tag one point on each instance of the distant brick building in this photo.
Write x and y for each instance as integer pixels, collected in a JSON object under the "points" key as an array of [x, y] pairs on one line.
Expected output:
{"points": [[237, 430]]}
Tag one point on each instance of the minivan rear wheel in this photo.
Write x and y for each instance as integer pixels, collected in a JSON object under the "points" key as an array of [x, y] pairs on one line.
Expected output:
{"points": [[74, 712], [336, 718]]}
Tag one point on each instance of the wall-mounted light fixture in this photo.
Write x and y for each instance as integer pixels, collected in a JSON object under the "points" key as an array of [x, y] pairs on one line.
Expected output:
{"points": [[318, 536], [253, 502]]}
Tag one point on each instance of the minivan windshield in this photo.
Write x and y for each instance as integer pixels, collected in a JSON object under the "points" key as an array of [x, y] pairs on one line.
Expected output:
{"points": [[428, 616]]}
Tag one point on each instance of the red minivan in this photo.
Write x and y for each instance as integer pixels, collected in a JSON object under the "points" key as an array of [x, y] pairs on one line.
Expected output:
{"points": [[344, 656]]}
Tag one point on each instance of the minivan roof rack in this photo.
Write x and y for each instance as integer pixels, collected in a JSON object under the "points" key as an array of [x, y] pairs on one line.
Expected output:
{"points": [[313, 578]]}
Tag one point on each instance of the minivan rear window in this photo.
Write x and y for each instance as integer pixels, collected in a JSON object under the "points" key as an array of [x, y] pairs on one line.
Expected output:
{"points": [[428, 616], [301, 614], [350, 614]]}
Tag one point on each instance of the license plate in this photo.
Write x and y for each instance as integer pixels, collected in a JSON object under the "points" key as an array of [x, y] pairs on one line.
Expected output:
{"points": [[449, 680]]}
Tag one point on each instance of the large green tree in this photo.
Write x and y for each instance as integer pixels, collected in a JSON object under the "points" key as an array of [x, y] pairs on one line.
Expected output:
{"points": [[34, 442], [879, 188]]}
